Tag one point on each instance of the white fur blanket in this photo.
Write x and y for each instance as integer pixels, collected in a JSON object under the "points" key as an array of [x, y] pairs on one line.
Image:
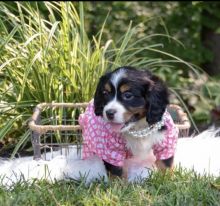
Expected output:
{"points": [[201, 153]]}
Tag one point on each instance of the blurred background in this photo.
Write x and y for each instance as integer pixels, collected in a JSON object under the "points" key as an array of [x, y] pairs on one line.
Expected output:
{"points": [[195, 24], [56, 51]]}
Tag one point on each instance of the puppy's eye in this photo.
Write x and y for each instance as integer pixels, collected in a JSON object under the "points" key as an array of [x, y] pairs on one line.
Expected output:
{"points": [[127, 96], [105, 93]]}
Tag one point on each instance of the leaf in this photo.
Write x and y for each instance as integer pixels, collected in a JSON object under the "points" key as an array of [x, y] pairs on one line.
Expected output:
{"points": [[9, 37], [217, 31], [8, 126]]}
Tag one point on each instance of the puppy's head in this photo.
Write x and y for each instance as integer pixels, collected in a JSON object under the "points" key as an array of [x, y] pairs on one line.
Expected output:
{"points": [[127, 95]]}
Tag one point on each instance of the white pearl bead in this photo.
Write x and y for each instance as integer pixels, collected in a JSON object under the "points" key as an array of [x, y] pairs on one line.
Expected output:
{"points": [[149, 130]]}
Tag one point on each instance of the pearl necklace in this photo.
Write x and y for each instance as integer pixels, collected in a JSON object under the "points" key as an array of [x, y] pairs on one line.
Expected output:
{"points": [[147, 131]]}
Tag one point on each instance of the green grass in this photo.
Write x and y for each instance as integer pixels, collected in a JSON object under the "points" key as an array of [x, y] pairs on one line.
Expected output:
{"points": [[182, 188]]}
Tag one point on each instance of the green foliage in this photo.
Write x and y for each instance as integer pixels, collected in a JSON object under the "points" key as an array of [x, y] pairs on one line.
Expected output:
{"points": [[45, 60], [51, 58], [46, 56], [181, 20], [211, 91], [184, 22], [210, 99]]}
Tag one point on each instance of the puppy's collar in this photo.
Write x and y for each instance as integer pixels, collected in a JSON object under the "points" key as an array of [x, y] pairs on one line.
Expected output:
{"points": [[149, 130]]}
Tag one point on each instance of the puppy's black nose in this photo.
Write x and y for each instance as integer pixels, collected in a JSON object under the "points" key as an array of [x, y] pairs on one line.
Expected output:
{"points": [[110, 113]]}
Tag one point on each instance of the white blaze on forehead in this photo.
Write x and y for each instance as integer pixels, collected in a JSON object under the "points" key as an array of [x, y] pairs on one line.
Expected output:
{"points": [[114, 104], [117, 76]]}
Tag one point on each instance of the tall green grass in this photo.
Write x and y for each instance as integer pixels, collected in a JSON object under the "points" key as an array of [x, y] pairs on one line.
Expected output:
{"points": [[46, 58]]}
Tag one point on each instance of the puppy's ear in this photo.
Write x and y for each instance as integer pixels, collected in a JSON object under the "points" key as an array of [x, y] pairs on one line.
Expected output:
{"points": [[157, 99], [98, 97]]}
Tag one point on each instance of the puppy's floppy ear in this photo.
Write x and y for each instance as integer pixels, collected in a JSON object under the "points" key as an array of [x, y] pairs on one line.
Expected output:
{"points": [[98, 97], [157, 99]]}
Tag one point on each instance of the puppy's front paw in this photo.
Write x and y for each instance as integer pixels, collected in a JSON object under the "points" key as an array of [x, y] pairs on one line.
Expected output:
{"points": [[137, 175], [165, 164]]}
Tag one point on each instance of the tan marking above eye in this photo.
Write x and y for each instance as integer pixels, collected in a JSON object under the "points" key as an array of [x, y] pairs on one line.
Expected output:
{"points": [[107, 87], [124, 88]]}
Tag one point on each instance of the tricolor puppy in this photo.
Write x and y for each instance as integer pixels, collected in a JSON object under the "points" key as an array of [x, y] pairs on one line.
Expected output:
{"points": [[128, 119]]}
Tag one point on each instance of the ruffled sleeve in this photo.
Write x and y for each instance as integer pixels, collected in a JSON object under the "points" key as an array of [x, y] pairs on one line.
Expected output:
{"points": [[99, 138], [167, 147]]}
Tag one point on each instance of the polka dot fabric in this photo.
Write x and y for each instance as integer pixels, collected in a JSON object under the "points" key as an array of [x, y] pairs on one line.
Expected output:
{"points": [[100, 139], [167, 147]]}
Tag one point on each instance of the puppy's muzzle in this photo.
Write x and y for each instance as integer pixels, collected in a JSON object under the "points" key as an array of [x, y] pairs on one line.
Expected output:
{"points": [[110, 113]]}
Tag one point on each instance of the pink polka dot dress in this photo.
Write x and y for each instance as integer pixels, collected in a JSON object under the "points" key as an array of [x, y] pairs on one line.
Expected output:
{"points": [[100, 139]]}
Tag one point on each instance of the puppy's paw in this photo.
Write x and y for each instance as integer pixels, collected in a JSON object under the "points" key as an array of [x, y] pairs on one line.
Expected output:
{"points": [[139, 174], [165, 164], [90, 170]]}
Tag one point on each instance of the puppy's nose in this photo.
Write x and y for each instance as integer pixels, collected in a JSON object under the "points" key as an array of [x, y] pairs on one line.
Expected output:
{"points": [[110, 113]]}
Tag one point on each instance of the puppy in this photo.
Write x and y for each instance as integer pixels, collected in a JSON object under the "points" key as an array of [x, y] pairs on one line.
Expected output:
{"points": [[127, 120]]}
